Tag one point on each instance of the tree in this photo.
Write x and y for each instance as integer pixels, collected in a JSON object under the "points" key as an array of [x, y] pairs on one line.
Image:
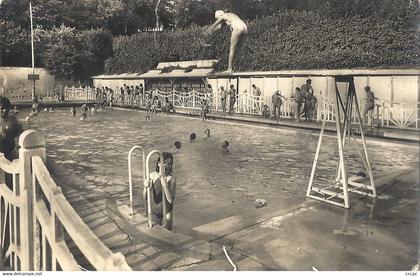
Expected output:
{"points": [[58, 50], [16, 12], [196, 12], [52, 13], [69, 53], [15, 49], [95, 46]]}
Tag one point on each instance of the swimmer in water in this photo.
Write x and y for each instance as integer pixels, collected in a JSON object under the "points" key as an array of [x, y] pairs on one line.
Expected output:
{"points": [[10, 129], [225, 146], [73, 111], [93, 110], [238, 31], [14, 110], [207, 132], [192, 137], [34, 109], [84, 109], [158, 184]]}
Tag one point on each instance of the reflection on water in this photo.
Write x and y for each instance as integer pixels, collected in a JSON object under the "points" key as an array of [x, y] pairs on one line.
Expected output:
{"points": [[266, 163]]}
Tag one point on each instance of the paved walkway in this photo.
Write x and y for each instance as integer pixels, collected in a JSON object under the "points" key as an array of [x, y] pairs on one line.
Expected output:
{"points": [[291, 233], [372, 235]]}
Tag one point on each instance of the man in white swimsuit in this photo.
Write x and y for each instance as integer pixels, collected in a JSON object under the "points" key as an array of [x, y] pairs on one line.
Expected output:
{"points": [[238, 29]]}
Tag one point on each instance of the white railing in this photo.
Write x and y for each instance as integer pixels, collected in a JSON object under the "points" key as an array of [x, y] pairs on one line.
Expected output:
{"points": [[399, 114], [79, 93], [48, 95], [386, 113], [38, 226]]}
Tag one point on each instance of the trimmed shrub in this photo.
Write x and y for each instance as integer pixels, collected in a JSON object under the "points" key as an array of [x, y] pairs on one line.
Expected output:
{"points": [[288, 40]]}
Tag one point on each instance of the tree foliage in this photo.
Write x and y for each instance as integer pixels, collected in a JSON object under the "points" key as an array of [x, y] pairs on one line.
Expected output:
{"points": [[69, 53], [333, 28], [288, 40], [14, 45]]}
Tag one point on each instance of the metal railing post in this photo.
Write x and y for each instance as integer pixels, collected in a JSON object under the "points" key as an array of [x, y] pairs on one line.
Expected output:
{"points": [[130, 174], [161, 171]]}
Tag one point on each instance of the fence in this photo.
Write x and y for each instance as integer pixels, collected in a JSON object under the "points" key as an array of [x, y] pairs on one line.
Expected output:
{"points": [[39, 229], [48, 95], [79, 93], [386, 113]]}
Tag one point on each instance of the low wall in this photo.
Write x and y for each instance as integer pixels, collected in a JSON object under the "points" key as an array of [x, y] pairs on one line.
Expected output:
{"points": [[15, 85], [41, 226], [116, 83], [14, 81]]}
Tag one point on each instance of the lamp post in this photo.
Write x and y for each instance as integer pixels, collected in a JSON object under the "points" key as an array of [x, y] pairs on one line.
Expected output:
{"points": [[32, 77]]}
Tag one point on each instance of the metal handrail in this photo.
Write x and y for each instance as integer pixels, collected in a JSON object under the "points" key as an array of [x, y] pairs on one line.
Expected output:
{"points": [[130, 180]]}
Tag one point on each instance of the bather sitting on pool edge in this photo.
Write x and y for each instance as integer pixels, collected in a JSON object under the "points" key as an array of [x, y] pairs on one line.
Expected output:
{"points": [[168, 183]]}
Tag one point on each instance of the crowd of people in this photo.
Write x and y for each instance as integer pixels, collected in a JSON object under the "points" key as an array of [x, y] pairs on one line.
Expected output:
{"points": [[303, 103], [303, 100]]}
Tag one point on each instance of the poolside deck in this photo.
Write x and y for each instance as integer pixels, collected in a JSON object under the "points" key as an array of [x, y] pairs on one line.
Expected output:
{"points": [[290, 233], [372, 235]]}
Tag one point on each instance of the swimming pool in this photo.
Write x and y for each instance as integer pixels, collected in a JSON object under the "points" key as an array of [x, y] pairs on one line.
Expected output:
{"points": [[266, 163]]}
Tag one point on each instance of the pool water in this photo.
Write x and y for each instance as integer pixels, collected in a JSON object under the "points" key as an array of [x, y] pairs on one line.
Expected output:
{"points": [[262, 163]]}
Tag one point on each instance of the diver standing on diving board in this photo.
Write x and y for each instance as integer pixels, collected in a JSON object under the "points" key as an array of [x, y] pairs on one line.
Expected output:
{"points": [[238, 29]]}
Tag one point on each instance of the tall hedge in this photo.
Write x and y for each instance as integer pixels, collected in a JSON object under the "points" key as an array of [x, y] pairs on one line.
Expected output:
{"points": [[288, 40]]}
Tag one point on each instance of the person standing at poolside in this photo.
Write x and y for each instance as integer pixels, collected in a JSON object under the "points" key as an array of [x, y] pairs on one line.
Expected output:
{"points": [[159, 184], [370, 104], [209, 94], [307, 93], [232, 98], [256, 92], [276, 102], [298, 100], [10, 129], [238, 31], [223, 98], [141, 95], [204, 109]]}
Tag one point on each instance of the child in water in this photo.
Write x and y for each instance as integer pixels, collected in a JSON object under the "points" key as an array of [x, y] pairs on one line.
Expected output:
{"points": [[225, 146], [148, 105], [167, 183], [156, 104], [93, 110], [34, 108], [84, 109], [73, 111]]}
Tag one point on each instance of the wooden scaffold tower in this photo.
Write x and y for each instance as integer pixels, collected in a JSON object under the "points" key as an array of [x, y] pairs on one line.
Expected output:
{"points": [[337, 193]]}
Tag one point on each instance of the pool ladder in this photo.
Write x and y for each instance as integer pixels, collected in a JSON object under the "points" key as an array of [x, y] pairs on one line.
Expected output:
{"points": [[146, 175]]}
